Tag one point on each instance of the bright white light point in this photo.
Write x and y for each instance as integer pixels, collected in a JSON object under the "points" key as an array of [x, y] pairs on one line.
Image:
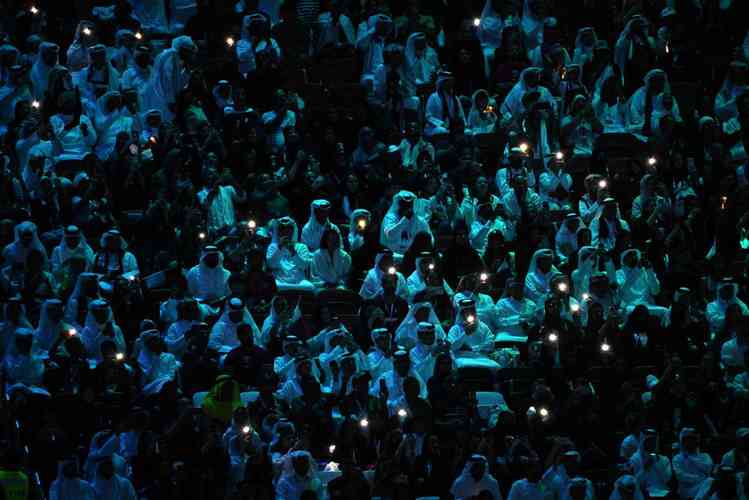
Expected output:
{"points": [[602, 184], [431, 267], [362, 224], [391, 270], [544, 412], [586, 296], [35, 104], [605, 347], [574, 308], [524, 147], [230, 41], [471, 318], [86, 31], [484, 276], [201, 236], [252, 224], [246, 429], [562, 287], [652, 161], [553, 337], [119, 356], [402, 413], [138, 35], [331, 448], [476, 22], [364, 422], [559, 155]]}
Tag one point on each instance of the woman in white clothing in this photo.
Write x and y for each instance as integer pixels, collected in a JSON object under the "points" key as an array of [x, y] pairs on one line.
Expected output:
{"points": [[330, 263]]}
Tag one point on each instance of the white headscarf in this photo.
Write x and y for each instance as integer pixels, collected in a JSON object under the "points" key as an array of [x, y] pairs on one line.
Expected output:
{"points": [[8, 328], [17, 252], [481, 121], [536, 283], [564, 235], [513, 103], [109, 124], [92, 331], [225, 326], [629, 482], [407, 333], [221, 102], [372, 285], [660, 112], [206, 283], [465, 486], [168, 76], [491, 26], [40, 71], [71, 308], [418, 70], [355, 239], [583, 54], [533, 27], [62, 253], [101, 448], [312, 231], [290, 485], [400, 243], [48, 331], [273, 319], [624, 46], [70, 489], [637, 101]]}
